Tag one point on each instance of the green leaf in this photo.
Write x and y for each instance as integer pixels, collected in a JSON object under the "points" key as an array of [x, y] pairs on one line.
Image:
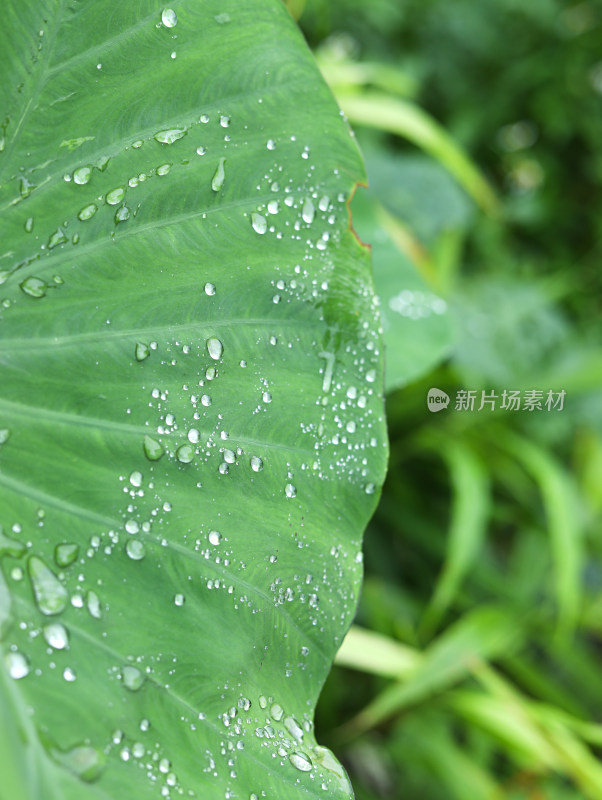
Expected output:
{"points": [[191, 418]]}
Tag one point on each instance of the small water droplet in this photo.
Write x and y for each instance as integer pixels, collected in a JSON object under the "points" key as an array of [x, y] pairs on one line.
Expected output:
{"points": [[56, 635], [308, 211], [214, 348], [29, 224], [224, 121], [271, 144], [371, 375], [163, 169], [65, 554], [201, 150], [34, 287], [17, 665], [276, 712], [210, 289], [259, 223], [136, 479], [4, 435], [69, 674], [135, 549], [122, 214], [194, 436], [132, 678], [50, 594], [266, 397], [169, 18], [290, 490], [206, 400], [256, 464], [179, 599], [301, 761], [219, 177], [82, 175], [93, 603], [153, 450], [88, 211], [170, 135]]}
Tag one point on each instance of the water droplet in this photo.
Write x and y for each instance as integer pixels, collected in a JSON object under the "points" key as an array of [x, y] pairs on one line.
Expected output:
{"points": [[69, 674], [201, 150], [34, 287], [224, 121], [289, 490], [350, 427], [138, 750], [273, 206], [210, 289], [169, 18], [308, 211], [179, 599], [219, 177], [122, 214], [170, 136], [65, 554], [163, 169], [271, 144], [4, 435], [371, 375], [50, 594], [153, 450], [87, 212], [10, 547], [115, 196], [370, 488], [259, 223], [276, 712], [56, 635], [266, 397], [256, 464], [223, 468], [142, 351], [185, 454], [93, 603], [293, 727], [132, 678], [301, 761], [214, 537], [206, 400], [194, 435], [135, 549], [17, 665], [136, 479], [58, 237], [29, 224], [214, 348], [82, 175], [85, 762]]}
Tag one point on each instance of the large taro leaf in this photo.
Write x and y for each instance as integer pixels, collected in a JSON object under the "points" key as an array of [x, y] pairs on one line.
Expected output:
{"points": [[190, 401]]}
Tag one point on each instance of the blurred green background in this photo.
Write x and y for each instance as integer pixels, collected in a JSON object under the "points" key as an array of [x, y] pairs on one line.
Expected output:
{"points": [[475, 668]]}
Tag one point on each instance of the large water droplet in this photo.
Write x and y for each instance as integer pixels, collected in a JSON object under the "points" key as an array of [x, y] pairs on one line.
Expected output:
{"points": [[276, 712], [301, 761], [17, 665], [82, 175], [163, 169], [34, 287], [170, 136], [219, 177], [153, 450], [135, 549], [50, 594], [58, 237], [215, 348], [115, 196], [185, 454], [136, 479], [142, 351], [169, 18], [256, 464], [259, 223], [87, 212], [65, 554], [122, 214], [132, 678], [214, 538], [56, 635]]}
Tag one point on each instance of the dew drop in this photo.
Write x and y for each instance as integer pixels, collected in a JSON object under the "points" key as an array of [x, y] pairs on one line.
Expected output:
{"points": [[276, 712], [194, 436], [153, 450], [300, 761], [136, 479], [69, 674], [93, 603], [256, 464], [170, 135], [82, 175], [132, 678], [169, 18], [290, 490], [163, 169], [214, 348], [65, 554], [29, 224], [115, 196], [87, 212], [259, 223], [34, 287], [185, 454], [56, 635], [17, 665], [308, 211], [214, 538], [224, 121], [210, 289], [135, 549], [219, 177], [271, 144], [179, 599], [84, 761], [50, 594]]}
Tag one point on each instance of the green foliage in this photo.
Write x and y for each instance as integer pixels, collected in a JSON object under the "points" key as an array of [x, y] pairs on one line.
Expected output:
{"points": [[191, 424], [492, 511]]}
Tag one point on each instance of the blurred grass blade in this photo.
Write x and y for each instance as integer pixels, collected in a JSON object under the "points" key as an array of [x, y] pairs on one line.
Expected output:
{"points": [[469, 514], [481, 635], [563, 523], [405, 119], [341, 75], [372, 652]]}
